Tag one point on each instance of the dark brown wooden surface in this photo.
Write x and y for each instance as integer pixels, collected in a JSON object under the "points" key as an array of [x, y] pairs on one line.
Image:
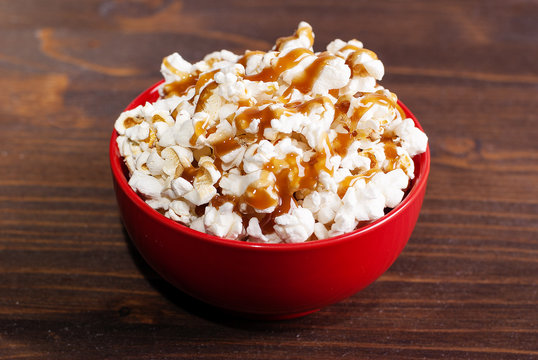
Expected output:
{"points": [[72, 286]]}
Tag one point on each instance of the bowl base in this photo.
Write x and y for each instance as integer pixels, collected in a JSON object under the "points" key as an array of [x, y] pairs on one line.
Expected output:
{"points": [[272, 317]]}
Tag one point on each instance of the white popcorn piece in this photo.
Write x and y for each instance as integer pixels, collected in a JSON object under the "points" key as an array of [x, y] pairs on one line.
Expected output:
{"points": [[231, 88], [369, 200], [345, 218], [146, 185], [288, 122], [296, 226], [413, 140], [354, 159], [155, 163], [255, 232], [257, 62], [334, 75], [128, 119], [323, 205], [331, 203], [141, 161], [223, 222], [257, 155], [318, 122], [211, 174], [179, 211], [198, 224], [391, 185], [235, 184], [201, 195], [180, 186], [138, 132], [320, 231], [203, 184], [160, 203]]}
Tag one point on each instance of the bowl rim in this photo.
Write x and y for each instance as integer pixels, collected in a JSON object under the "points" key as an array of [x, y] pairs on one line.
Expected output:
{"points": [[122, 182]]}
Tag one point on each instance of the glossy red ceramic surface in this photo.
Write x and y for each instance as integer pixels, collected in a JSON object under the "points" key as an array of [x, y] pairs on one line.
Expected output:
{"points": [[269, 280]]}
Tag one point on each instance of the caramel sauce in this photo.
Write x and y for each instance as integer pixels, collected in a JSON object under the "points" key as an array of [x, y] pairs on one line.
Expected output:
{"points": [[345, 184], [206, 93], [284, 63], [369, 174], [373, 160], [218, 163], [391, 153], [198, 130], [157, 118], [284, 202], [211, 130], [390, 150], [306, 81], [179, 88], [400, 110], [265, 115], [176, 111], [358, 70], [350, 180], [130, 122], [151, 139], [291, 175], [219, 200], [307, 106], [259, 198], [189, 174], [224, 147], [358, 51], [201, 127], [349, 47], [342, 142], [340, 110], [204, 79], [199, 210], [244, 103]]}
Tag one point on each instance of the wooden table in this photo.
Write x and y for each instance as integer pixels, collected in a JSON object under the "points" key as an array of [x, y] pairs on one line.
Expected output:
{"points": [[73, 287]]}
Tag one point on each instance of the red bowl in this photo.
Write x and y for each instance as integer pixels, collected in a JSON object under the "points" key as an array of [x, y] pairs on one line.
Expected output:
{"points": [[266, 280]]}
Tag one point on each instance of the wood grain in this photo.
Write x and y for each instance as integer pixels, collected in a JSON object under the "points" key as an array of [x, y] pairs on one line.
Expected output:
{"points": [[72, 286]]}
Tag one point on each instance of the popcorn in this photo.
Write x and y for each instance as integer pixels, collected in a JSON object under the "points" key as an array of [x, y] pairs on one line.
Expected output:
{"points": [[223, 222], [296, 226], [288, 145]]}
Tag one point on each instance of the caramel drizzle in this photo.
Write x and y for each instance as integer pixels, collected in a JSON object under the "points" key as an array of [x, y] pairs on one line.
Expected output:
{"points": [[306, 81], [286, 62], [280, 42], [368, 100], [265, 115], [179, 87], [225, 146]]}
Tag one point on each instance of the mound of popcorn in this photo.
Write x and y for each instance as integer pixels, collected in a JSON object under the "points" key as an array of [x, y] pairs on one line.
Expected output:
{"points": [[288, 145]]}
